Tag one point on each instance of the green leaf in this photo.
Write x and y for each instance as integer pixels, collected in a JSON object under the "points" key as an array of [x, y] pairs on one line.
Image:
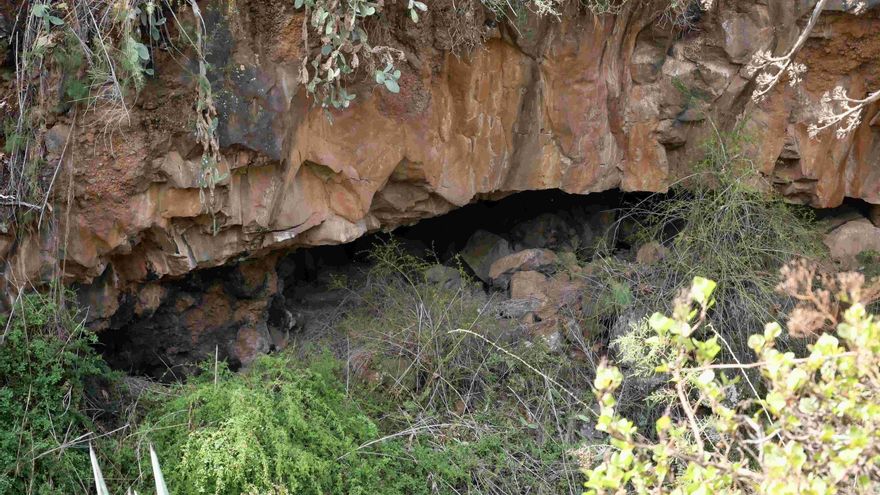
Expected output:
{"points": [[142, 51], [756, 343], [660, 323], [100, 485], [297, 4], [771, 331], [392, 86], [607, 378], [56, 20], [39, 10], [161, 488], [702, 289], [664, 423], [776, 402], [706, 377]]}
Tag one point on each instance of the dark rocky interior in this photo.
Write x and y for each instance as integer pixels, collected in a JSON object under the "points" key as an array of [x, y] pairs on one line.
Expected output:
{"points": [[286, 296]]}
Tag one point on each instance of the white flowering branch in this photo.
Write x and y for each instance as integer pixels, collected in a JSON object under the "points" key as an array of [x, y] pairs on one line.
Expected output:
{"points": [[770, 69], [836, 108]]}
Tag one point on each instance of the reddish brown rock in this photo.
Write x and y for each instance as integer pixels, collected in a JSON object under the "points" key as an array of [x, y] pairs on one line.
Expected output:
{"points": [[542, 260], [650, 253], [852, 238], [553, 297], [250, 343], [482, 250], [582, 105]]}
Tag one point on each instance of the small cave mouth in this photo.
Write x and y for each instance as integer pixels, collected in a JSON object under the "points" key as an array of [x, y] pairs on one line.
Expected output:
{"points": [[237, 312]]}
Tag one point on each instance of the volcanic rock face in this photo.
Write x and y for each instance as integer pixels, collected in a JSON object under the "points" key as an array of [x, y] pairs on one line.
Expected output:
{"points": [[583, 104]]}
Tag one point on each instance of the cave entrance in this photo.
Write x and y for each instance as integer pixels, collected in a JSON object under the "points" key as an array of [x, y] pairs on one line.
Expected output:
{"points": [[256, 306]]}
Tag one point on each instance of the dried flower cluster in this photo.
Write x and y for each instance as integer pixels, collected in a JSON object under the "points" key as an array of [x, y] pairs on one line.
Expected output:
{"points": [[836, 109], [821, 296]]}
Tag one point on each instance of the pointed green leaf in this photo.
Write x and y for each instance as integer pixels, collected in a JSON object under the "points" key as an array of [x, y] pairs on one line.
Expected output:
{"points": [[161, 488], [100, 485]]}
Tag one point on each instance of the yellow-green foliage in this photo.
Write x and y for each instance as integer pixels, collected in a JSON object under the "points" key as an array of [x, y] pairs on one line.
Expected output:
{"points": [[816, 429]]}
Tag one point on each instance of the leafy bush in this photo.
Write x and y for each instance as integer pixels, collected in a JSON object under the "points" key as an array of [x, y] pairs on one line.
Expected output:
{"points": [[724, 220], [816, 429], [45, 358], [275, 428]]}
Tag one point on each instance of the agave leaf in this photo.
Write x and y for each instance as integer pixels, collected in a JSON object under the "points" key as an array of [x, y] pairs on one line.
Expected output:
{"points": [[100, 486], [161, 488]]}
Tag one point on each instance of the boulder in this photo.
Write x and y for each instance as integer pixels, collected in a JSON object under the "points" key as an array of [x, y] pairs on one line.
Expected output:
{"points": [[547, 230], [552, 294], [251, 343], [444, 276], [482, 249], [528, 285], [651, 253], [852, 238], [541, 260]]}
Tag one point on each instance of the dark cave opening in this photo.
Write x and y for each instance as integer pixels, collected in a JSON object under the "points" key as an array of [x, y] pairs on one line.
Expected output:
{"points": [[220, 312], [262, 304]]}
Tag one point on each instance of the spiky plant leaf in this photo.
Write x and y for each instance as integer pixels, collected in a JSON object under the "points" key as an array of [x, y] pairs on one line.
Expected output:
{"points": [[161, 488], [100, 486]]}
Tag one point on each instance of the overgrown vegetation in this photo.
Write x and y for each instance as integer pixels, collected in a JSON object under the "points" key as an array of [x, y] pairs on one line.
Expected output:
{"points": [[443, 395], [814, 431], [724, 220], [489, 411], [46, 359], [276, 428]]}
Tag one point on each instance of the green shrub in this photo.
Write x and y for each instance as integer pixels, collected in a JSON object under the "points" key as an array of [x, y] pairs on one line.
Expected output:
{"points": [[816, 430], [724, 220], [45, 358], [275, 428]]}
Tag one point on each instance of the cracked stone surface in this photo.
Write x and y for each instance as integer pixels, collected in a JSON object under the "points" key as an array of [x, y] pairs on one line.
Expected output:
{"points": [[581, 105]]}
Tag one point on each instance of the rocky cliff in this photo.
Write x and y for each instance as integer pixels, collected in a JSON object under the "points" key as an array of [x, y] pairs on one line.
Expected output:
{"points": [[582, 104]]}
